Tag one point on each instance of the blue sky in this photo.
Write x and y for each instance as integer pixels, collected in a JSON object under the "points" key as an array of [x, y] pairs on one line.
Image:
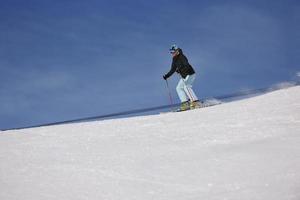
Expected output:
{"points": [[66, 59]]}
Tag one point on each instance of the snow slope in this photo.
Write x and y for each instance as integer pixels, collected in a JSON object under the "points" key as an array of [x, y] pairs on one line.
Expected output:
{"points": [[243, 150]]}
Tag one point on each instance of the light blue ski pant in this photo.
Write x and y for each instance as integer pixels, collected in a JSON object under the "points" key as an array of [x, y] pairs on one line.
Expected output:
{"points": [[184, 89]]}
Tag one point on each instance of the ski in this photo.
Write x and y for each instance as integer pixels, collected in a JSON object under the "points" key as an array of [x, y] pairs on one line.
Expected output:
{"points": [[203, 105]]}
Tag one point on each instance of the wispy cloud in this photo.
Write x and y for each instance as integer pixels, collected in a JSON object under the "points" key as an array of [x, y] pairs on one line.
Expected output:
{"points": [[282, 85]]}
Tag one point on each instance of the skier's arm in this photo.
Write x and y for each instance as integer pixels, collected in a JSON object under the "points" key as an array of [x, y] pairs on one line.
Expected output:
{"points": [[184, 61], [171, 72]]}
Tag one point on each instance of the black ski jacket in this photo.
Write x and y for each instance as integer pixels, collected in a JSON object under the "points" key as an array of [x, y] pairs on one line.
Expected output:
{"points": [[180, 64]]}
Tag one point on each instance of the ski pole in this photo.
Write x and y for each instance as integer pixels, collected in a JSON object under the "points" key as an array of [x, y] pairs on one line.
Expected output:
{"points": [[169, 92]]}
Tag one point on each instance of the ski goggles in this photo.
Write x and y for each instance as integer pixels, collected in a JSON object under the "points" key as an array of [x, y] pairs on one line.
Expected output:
{"points": [[172, 51]]}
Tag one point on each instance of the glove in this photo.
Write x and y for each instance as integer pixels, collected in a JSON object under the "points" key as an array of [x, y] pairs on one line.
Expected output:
{"points": [[165, 77]]}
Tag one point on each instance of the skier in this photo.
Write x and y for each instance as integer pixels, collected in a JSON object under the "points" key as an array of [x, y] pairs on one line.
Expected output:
{"points": [[180, 64]]}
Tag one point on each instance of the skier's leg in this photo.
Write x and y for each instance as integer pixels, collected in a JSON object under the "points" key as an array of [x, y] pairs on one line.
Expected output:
{"points": [[180, 91], [182, 95], [188, 84]]}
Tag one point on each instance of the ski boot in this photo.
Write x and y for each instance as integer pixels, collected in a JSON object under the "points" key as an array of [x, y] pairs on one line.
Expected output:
{"points": [[195, 105], [184, 106]]}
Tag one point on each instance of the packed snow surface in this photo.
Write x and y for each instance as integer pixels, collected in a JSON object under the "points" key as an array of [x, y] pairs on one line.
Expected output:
{"points": [[243, 150]]}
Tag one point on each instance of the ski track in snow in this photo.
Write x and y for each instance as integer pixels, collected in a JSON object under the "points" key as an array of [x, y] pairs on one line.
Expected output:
{"points": [[247, 149]]}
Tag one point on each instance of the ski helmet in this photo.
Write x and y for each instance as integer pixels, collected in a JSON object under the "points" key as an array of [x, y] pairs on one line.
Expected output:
{"points": [[173, 48]]}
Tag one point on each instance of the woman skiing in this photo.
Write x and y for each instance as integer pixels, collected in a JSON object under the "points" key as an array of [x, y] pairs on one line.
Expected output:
{"points": [[180, 64]]}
